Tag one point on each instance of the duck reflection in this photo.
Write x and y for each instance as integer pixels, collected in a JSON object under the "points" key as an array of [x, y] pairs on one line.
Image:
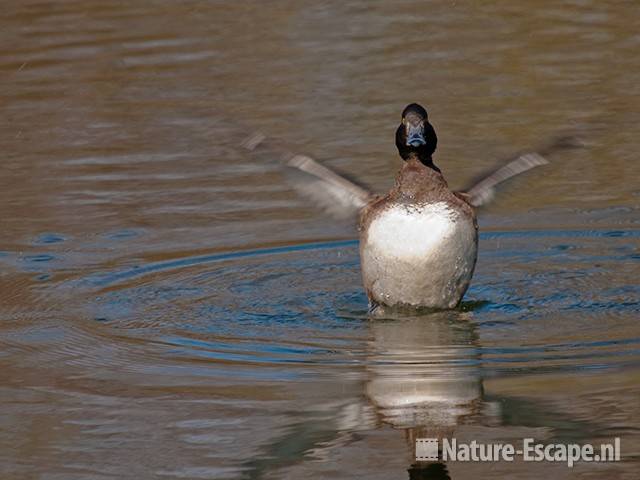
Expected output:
{"points": [[424, 378]]}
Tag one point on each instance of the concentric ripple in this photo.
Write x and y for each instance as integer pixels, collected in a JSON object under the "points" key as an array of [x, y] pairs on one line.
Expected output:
{"points": [[541, 301]]}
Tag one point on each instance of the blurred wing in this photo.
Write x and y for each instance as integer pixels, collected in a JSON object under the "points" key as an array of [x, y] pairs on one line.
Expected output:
{"points": [[483, 191], [337, 195], [334, 193]]}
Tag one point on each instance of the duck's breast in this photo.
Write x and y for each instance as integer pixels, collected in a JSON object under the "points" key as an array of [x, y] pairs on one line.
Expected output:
{"points": [[421, 255]]}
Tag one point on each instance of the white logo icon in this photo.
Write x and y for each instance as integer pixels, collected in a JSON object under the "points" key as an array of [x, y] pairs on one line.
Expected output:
{"points": [[427, 449]]}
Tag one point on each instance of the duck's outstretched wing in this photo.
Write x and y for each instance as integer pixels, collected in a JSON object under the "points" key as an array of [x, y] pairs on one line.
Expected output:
{"points": [[482, 191], [333, 192], [336, 194]]}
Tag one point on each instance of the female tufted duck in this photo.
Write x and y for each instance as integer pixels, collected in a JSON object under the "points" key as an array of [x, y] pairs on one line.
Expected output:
{"points": [[419, 242]]}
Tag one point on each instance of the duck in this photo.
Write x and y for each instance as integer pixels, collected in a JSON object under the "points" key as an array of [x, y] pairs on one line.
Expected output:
{"points": [[419, 241]]}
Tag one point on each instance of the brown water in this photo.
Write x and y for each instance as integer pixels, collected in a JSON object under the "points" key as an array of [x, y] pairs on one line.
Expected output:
{"points": [[170, 308]]}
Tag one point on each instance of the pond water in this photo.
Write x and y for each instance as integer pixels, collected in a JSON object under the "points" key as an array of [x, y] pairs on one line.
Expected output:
{"points": [[171, 309]]}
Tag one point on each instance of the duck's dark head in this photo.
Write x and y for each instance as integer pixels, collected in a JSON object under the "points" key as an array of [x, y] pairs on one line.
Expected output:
{"points": [[415, 136]]}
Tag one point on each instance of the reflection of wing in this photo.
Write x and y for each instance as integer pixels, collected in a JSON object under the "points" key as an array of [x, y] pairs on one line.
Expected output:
{"points": [[483, 191], [331, 191]]}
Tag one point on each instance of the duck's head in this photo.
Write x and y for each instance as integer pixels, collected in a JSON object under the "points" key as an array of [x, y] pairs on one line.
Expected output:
{"points": [[415, 136]]}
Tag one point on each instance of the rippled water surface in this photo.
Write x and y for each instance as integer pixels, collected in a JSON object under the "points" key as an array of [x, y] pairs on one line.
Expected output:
{"points": [[171, 309]]}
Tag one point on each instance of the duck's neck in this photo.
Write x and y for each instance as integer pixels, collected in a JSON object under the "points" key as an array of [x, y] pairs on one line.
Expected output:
{"points": [[425, 160], [416, 181]]}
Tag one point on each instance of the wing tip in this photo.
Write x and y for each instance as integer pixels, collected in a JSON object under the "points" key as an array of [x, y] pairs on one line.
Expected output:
{"points": [[253, 141]]}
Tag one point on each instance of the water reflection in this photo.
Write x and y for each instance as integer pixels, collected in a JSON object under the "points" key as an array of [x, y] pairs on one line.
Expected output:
{"points": [[424, 370], [424, 377]]}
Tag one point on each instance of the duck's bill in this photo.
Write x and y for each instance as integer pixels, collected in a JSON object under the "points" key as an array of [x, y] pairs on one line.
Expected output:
{"points": [[415, 136]]}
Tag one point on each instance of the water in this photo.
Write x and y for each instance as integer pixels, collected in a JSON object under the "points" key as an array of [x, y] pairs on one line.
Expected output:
{"points": [[171, 309]]}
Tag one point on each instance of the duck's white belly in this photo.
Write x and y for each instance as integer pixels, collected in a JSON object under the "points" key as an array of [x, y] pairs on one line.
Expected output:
{"points": [[421, 256]]}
